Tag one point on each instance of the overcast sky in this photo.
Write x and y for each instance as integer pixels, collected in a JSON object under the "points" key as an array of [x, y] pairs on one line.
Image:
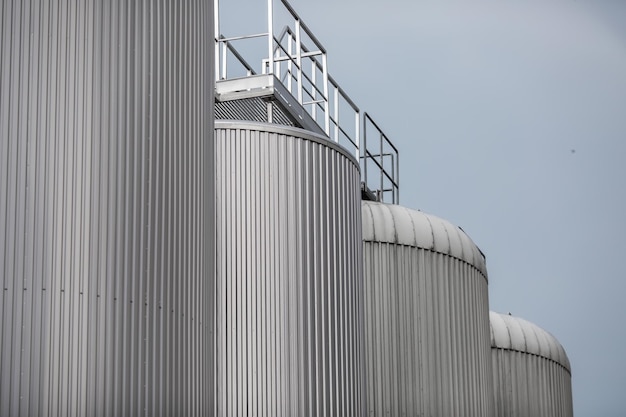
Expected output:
{"points": [[510, 117]]}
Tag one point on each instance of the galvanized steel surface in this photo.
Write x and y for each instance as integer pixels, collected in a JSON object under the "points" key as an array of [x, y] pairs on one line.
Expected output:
{"points": [[426, 317], [289, 262], [106, 208], [531, 371]]}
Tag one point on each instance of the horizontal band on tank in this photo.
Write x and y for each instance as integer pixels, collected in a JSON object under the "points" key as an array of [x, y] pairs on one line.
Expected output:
{"points": [[535, 355], [286, 130], [403, 226], [516, 334]]}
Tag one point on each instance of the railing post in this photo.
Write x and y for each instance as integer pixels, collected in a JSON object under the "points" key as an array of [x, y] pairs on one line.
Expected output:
{"points": [[336, 113], [299, 60], [357, 134], [289, 66], [314, 90], [365, 148], [393, 182], [224, 60], [216, 27], [270, 35], [397, 179], [382, 166], [326, 97]]}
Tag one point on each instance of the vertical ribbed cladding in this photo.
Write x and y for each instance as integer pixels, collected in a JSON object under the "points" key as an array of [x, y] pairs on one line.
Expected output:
{"points": [[289, 268], [106, 208], [426, 316], [531, 371]]}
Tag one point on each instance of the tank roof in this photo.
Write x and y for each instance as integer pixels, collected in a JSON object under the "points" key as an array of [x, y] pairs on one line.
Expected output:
{"points": [[513, 333], [400, 225]]}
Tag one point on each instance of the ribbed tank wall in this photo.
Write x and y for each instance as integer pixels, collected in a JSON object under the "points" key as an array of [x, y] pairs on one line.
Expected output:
{"points": [[528, 385], [426, 317], [531, 370], [106, 208], [289, 267]]}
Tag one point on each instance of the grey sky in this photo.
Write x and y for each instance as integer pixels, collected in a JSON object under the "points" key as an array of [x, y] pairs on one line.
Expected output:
{"points": [[510, 117]]}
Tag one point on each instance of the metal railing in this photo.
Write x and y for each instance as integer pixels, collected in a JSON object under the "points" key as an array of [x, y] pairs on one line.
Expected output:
{"points": [[299, 61], [384, 156], [226, 45], [326, 100]]}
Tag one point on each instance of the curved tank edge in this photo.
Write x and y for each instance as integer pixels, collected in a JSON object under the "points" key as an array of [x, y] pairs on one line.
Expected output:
{"points": [[512, 339], [286, 130], [465, 251]]}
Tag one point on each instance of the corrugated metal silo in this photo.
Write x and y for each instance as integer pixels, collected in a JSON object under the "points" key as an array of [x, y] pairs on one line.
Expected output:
{"points": [[289, 265], [531, 371], [426, 316], [106, 208]]}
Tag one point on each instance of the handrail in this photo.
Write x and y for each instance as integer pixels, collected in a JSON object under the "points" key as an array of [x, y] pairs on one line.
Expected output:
{"points": [[289, 58], [226, 42], [304, 26], [315, 90], [286, 30]]}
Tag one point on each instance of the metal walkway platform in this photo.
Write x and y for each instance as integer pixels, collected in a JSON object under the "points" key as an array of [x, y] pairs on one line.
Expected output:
{"points": [[261, 98]]}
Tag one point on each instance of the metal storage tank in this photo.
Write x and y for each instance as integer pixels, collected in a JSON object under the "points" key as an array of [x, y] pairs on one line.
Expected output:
{"points": [[289, 268], [531, 371], [426, 316], [106, 208]]}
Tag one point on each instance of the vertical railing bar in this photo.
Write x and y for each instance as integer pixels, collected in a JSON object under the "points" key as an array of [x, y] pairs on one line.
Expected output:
{"points": [[314, 90], [357, 117], [365, 148], [336, 113], [382, 167], [299, 60], [393, 183], [289, 64], [270, 35], [326, 98], [278, 64], [397, 179], [216, 25], [224, 60]]}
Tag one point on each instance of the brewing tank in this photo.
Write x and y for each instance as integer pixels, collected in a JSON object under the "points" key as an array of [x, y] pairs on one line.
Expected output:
{"points": [[106, 208], [531, 370], [426, 316], [289, 265]]}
